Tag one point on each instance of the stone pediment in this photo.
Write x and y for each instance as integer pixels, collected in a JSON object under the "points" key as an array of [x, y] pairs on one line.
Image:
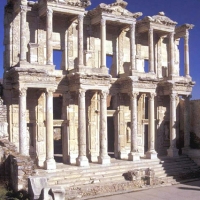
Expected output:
{"points": [[160, 18], [118, 8]]}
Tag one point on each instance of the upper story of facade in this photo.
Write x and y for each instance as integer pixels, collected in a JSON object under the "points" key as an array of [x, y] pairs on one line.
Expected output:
{"points": [[105, 40]]}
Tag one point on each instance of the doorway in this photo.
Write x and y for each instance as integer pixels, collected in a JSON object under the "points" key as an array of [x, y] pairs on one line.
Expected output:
{"points": [[111, 136], [58, 156], [146, 137]]}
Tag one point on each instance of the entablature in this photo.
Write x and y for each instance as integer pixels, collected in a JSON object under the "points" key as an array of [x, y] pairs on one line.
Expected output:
{"points": [[181, 31]]}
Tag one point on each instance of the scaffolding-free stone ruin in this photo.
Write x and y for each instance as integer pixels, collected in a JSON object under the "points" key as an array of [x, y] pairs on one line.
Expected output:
{"points": [[116, 91]]}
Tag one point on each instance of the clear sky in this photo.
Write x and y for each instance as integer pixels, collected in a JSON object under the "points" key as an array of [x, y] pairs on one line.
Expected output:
{"points": [[181, 11]]}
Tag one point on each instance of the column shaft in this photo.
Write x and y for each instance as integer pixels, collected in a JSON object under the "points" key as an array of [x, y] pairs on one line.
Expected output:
{"points": [[23, 31], [187, 123], [80, 40], [23, 142], [49, 31], [171, 53], [151, 51], [151, 129], [186, 54], [133, 155], [103, 43], [103, 157], [82, 160], [132, 42], [50, 162], [172, 151]]}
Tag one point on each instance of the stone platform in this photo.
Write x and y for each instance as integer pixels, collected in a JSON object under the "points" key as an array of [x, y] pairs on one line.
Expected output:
{"points": [[85, 182]]}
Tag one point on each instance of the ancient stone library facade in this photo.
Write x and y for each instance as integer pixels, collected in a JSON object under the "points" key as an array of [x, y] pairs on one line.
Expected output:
{"points": [[116, 92]]}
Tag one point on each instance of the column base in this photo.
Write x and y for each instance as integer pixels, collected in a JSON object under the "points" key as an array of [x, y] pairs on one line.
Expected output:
{"points": [[94, 158], [172, 152], [133, 156], [185, 150], [151, 155], [123, 155], [50, 164], [82, 161], [104, 160]]}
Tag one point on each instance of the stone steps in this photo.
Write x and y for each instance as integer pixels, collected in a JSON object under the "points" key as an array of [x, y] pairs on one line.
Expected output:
{"points": [[86, 181]]}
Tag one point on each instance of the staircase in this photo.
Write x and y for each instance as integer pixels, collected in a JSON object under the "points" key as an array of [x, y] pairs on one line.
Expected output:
{"points": [[85, 182]]}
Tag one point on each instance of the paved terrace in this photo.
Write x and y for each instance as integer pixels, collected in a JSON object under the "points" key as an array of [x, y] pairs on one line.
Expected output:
{"points": [[186, 191]]}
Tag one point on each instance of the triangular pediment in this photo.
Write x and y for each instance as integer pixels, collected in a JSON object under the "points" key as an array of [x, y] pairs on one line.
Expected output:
{"points": [[118, 8]]}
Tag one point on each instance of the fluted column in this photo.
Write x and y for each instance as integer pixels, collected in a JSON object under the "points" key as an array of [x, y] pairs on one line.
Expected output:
{"points": [[132, 43], [186, 54], [23, 142], [82, 160], [133, 155], [151, 153], [173, 151], [171, 53], [103, 157], [151, 51], [186, 124], [103, 42], [50, 162], [80, 40], [49, 32], [23, 31]]}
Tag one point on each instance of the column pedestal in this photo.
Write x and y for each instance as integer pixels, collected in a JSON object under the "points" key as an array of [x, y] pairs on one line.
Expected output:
{"points": [[172, 152], [50, 164]]}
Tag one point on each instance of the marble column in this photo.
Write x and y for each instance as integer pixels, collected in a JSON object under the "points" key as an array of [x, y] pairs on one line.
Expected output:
{"points": [[151, 153], [50, 162], [133, 155], [103, 42], [65, 133], [173, 151], [23, 32], [80, 40], [103, 158], [171, 53], [132, 43], [49, 32], [23, 139], [82, 159], [186, 54], [186, 124], [151, 51]]}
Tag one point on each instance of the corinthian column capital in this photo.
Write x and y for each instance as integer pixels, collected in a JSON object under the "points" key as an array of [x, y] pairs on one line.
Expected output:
{"points": [[22, 91], [49, 11], [133, 95], [151, 96], [104, 94]]}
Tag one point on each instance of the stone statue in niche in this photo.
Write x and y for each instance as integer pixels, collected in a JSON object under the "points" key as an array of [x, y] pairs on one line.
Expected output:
{"points": [[128, 132]]}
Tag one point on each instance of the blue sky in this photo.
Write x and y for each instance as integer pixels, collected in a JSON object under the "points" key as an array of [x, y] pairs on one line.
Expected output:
{"points": [[181, 11]]}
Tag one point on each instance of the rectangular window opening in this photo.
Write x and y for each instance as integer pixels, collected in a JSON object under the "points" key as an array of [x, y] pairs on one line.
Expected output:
{"points": [[146, 66], [57, 58], [109, 61]]}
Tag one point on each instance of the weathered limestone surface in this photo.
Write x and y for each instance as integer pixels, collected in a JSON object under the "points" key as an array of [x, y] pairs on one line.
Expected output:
{"points": [[128, 109]]}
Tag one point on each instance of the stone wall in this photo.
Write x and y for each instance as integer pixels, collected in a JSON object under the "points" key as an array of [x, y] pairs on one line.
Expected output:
{"points": [[14, 168], [195, 115], [3, 117]]}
